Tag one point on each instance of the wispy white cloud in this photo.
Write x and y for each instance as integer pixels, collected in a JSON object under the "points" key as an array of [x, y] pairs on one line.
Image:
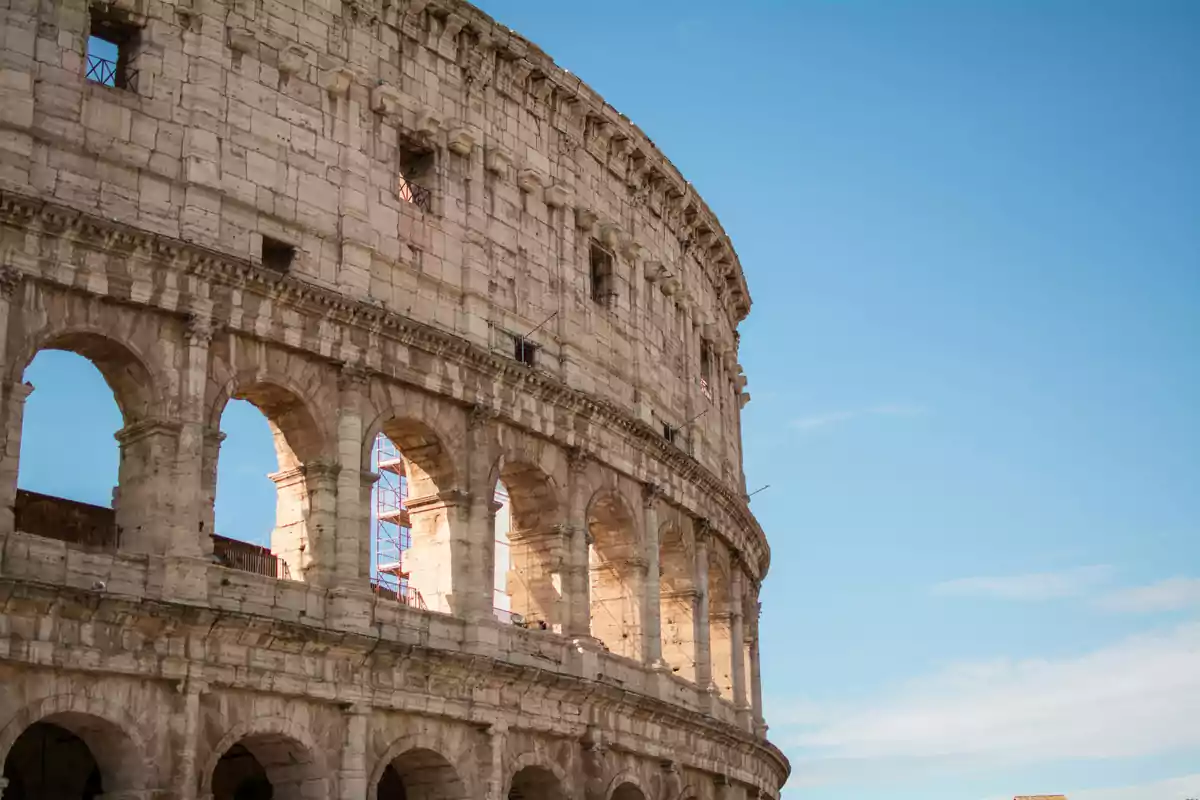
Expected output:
{"points": [[1073, 582], [1172, 594], [826, 419], [1136, 697], [1170, 789]]}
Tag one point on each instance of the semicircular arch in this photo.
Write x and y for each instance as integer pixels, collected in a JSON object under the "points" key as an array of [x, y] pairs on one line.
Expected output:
{"points": [[296, 737], [109, 733]]}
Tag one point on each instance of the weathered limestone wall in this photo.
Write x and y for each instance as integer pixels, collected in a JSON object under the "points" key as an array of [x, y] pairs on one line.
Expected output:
{"points": [[443, 187]]}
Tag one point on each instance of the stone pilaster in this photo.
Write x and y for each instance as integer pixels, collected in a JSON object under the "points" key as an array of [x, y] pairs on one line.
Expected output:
{"points": [[700, 616], [352, 772], [146, 507], [652, 586], [497, 740], [187, 726], [306, 520], [353, 513], [737, 641], [12, 414], [579, 622]]}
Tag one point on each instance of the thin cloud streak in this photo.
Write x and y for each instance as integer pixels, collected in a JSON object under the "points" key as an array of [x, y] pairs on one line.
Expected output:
{"points": [[827, 419], [1136, 697], [1173, 594], [1030, 587]]}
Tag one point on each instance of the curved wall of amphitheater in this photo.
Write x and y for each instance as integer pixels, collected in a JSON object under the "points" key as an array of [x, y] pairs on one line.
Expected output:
{"points": [[369, 218]]}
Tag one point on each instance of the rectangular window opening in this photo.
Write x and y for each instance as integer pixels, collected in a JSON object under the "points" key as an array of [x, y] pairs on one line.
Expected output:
{"points": [[525, 351], [603, 287], [277, 255], [416, 176], [706, 368], [112, 50], [669, 433]]}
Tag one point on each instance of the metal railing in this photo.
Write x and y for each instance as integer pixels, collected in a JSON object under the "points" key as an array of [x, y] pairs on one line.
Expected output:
{"points": [[416, 194], [107, 72], [404, 595], [251, 558]]}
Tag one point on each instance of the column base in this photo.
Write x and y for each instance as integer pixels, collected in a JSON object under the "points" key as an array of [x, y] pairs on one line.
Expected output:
{"points": [[348, 608], [179, 579]]}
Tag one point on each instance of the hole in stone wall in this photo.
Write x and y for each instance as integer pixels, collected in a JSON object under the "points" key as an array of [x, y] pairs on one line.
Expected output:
{"points": [[277, 255]]}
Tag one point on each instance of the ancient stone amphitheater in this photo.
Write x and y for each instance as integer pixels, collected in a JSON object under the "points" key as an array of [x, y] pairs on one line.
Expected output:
{"points": [[368, 218]]}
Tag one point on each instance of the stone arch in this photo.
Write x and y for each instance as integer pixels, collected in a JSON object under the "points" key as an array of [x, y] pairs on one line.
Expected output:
{"points": [[136, 387], [111, 738], [450, 759], [678, 597], [419, 773], [719, 619], [141, 512], [626, 786], [535, 535], [284, 752], [305, 481], [531, 777], [616, 571], [418, 474]]}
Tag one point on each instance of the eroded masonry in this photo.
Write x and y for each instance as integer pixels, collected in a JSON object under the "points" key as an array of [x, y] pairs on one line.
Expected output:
{"points": [[468, 295]]}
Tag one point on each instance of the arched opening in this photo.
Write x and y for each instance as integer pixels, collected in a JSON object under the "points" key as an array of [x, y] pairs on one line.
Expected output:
{"points": [[536, 783], [412, 509], [267, 766], [68, 481], [616, 571], [529, 547], [272, 492], [677, 604], [628, 791], [420, 775], [720, 624], [69, 756], [502, 604]]}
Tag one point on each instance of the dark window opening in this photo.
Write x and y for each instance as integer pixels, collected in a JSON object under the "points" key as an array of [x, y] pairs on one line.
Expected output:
{"points": [[525, 351], [277, 255], [416, 176], [669, 433], [603, 288], [112, 50], [706, 368]]}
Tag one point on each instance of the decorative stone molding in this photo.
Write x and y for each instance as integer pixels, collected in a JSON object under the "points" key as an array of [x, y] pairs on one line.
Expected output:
{"points": [[337, 81], [498, 161], [530, 181], [242, 41], [585, 218], [461, 141], [428, 123], [385, 99], [559, 195]]}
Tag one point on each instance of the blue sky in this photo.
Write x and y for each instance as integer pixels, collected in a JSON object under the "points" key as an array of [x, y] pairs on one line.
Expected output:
{"points": [[972, 233]]}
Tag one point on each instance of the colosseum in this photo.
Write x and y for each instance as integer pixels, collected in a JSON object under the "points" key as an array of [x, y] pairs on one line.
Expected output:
{"points": [[430, 257]]}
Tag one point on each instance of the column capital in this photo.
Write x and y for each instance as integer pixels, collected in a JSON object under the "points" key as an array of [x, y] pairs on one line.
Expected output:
{"points": [[200, 329], [142, 429], [651, 491], [577, 459], [352, 376], [451, 497], [10, 280], [480, 416]]}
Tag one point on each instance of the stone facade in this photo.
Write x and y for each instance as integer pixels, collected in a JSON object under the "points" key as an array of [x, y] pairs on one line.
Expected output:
{"points": [[369, 217]]}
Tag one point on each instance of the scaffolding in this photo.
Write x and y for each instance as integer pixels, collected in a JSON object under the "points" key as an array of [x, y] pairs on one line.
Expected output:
{"points": [[393, 529]]}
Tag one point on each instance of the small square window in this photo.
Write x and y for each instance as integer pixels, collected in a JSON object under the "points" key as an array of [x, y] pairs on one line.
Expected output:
{"points": [[525, 351], [603, 288], [277, 255], [112, 50]]}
